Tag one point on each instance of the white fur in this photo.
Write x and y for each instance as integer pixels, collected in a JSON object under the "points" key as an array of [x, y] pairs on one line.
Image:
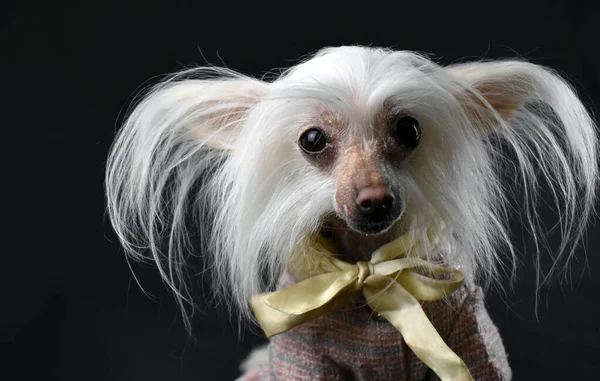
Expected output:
{"points": [[263, 199]]}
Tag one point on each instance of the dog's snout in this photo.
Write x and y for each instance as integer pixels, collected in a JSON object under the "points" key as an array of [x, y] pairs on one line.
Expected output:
{"points": [[374, 202]]}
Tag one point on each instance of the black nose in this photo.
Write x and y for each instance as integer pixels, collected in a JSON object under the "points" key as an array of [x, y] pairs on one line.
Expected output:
{"points": [[375, 203]]}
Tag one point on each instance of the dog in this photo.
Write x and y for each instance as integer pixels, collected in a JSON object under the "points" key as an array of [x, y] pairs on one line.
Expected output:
{"points": [[356, 145]]}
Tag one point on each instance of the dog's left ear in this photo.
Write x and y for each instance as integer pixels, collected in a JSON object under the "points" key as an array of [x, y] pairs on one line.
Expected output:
{"points": [[488, 87]]}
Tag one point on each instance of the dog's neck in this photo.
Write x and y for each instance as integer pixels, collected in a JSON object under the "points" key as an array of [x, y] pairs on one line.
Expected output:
{"points": [[353, 246]]}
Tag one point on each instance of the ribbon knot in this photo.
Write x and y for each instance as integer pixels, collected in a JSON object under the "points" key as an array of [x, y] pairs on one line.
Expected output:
{"points": [[364, 270], [391, 286]]}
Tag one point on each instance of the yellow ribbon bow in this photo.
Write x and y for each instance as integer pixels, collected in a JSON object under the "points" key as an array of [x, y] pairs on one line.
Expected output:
{"points": [[391, 286]]}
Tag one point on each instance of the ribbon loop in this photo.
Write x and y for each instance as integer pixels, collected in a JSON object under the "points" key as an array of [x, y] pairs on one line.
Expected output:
{"points": [[391, 285]]}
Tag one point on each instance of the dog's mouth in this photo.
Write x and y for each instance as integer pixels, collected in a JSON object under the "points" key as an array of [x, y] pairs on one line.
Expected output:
{"points": [[354, 243], [368, 228]]}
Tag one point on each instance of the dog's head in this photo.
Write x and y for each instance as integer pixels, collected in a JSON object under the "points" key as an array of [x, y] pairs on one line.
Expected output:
{"points": [[363, 141]]}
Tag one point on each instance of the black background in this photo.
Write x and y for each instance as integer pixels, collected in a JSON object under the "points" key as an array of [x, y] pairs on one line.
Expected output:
{"points": [[70, 308]]}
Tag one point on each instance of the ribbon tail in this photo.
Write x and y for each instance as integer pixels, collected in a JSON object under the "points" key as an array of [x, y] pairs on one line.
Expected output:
{"points": [[404, 312], [274, 321], [282, 310]]}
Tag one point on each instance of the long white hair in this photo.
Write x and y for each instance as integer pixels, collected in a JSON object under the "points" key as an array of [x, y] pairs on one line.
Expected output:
{"points": [[213, 152]]}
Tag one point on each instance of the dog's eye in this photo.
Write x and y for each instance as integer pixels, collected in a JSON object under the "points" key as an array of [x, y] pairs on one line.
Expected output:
{"points": [[406, 131], [313, 141]]}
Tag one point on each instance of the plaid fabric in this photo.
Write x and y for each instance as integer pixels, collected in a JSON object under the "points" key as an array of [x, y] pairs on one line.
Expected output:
{"points": [[354, 345]]}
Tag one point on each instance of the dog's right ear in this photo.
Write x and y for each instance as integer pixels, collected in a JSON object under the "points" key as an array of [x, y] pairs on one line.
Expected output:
{"points": [[210, 111], [176, 135], [219, 118]]}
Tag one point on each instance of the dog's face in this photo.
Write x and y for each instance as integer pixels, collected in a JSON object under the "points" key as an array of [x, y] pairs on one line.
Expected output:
{"points": [[367, 160], [347, 145]]}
